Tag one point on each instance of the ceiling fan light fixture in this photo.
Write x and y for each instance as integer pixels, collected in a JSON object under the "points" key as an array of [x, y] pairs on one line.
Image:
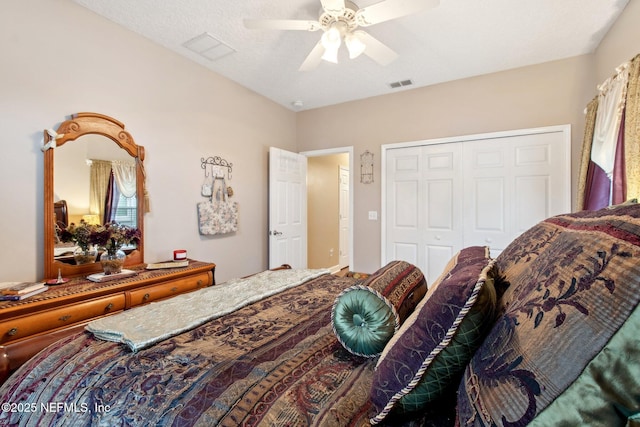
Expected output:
{"points": [[332, 38], [354, 44], [331, 54]]}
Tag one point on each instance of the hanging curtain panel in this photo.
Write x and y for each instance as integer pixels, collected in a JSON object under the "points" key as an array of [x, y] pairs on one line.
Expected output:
{"points": [[585, 158], [632, 131], [611, 172], [100, 175], [125, 175], [611, 101]]}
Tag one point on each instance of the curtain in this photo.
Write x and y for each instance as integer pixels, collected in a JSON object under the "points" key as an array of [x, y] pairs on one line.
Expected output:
{"points": [[632, 131], [610, 162], [100, 175], [611, 102], [125, 176], [109, 200], [586, 166]]}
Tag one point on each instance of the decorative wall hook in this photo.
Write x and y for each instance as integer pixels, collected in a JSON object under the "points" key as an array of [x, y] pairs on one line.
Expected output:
{"points": [[216, 164]]}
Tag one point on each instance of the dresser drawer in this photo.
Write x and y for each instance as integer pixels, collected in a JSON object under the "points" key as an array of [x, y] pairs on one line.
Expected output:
{"points": [[168, 289], [24, 326]]}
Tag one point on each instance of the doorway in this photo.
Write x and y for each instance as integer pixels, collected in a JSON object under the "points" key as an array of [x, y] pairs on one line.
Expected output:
{"points": [[329, 208]]}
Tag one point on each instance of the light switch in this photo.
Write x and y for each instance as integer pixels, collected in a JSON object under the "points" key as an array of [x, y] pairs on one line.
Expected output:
{"points": [[373, 215]]}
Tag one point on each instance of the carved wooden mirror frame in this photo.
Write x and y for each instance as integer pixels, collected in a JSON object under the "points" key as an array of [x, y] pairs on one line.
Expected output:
{"points": [[83, 124]]}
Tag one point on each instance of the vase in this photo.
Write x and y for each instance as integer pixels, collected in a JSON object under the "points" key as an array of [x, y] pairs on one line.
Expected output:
{"points": [[85, 255], [112, 262]]}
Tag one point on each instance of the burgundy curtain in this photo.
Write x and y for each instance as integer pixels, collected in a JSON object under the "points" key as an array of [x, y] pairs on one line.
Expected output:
{"points": [[600, 192], [109, 200]]}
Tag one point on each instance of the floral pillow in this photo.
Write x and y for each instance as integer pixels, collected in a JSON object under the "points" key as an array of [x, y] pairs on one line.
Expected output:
{"points": [[558, 313]]}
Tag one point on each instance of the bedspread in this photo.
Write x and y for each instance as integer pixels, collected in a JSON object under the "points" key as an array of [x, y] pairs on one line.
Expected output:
{"points": [[146, 325], [273, 362]]}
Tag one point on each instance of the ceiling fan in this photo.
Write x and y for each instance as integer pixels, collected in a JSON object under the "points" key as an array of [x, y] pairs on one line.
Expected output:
{"points": [[340, 20]]}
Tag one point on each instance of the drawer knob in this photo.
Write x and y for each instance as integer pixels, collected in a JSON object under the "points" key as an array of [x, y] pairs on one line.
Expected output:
{"points": [[12, 332], [200, 282], [146, 297], [174, 289], [64, 318], [108, 307]]}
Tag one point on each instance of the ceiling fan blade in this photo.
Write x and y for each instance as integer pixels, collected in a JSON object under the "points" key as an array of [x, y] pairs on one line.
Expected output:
{"points": [[333, 7], [376, 50], [391, 9], [314, 58], [282, 24]]}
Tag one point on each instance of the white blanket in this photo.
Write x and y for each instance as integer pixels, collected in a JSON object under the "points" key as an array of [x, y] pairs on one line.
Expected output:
{"points": [[146, 325]]}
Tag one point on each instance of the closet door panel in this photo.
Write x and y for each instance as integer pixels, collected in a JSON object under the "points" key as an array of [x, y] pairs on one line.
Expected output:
{"points": [[486, 193], [539, 176], [532, 201], [442, 207], [402, 205]]}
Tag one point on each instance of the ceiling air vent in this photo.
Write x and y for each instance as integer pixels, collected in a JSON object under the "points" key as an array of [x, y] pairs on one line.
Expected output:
{"points": [[208, 46], [400, 83]]}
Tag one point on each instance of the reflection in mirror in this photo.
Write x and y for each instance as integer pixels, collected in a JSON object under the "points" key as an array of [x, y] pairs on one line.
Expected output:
{"points": [[97, 177], [96, 182]]}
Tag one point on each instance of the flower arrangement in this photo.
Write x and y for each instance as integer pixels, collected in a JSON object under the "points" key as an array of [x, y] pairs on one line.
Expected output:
{"points": [[81, 234], [113, 236]]}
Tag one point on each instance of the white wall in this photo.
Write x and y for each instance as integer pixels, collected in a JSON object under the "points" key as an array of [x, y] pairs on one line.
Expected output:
{"points": [[59, 58]]}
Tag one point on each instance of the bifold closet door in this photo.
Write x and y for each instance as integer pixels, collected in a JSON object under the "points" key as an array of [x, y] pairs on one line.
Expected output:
{"points": [[484, 191], [510, 184], [424, 207]]}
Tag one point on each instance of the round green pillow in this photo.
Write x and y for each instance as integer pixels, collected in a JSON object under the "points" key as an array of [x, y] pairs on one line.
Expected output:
{"points": [[363, 320]]}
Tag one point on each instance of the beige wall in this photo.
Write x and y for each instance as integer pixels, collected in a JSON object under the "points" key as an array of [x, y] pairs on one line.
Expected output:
{"points": [[323, 209], [64, 59], [547, 94], [541, 95], [60, 58], [621, 43]]}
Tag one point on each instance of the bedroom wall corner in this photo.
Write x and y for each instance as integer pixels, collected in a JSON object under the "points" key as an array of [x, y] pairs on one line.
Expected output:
{"points": [[59, 59]]}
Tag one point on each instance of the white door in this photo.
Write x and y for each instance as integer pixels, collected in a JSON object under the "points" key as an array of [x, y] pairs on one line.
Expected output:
{"points": [[481, 190], [511, 183], [287, 209], [343, 260], [423, 207]]}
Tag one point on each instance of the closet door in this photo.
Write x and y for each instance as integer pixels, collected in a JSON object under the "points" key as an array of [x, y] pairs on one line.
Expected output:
{"points": [[481, 190], [510, 184], [424, 210]]}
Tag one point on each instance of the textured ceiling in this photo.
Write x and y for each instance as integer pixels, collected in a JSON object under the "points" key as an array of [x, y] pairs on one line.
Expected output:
{"points": [[457, 39]]}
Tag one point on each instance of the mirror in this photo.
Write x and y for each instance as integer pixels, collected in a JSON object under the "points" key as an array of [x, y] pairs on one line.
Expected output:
{"points": [[96, 139]]}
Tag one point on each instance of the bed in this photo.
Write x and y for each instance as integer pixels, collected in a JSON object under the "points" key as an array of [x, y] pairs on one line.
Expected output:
{"points": [[544, 334], [275, 361]]}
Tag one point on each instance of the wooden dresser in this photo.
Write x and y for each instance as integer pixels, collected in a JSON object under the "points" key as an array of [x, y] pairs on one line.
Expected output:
{"points": [[29, 325]]}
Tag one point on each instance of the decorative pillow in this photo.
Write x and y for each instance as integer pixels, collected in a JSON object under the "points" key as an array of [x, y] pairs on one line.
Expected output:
{"points": [[609, 384], [432, 348], [560, 313], [515, 260], [365, 316]]}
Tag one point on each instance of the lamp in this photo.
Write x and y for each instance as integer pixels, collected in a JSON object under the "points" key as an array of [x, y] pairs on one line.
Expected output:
{"points": [[91, 219], [354, 44], [331, 41]]}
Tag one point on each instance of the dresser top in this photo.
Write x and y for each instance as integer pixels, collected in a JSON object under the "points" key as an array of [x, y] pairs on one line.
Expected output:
{"points": [[79, 288]]}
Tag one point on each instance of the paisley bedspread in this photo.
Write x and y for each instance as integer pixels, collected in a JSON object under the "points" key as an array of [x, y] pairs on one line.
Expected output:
{"points": [[273, 362]]}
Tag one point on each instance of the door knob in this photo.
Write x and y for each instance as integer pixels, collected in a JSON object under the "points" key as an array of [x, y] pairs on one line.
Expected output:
{"points": [[276, 233]]}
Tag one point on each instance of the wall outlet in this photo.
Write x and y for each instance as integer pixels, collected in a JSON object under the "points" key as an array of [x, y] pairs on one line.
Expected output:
{"points": [[373, 215]]}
